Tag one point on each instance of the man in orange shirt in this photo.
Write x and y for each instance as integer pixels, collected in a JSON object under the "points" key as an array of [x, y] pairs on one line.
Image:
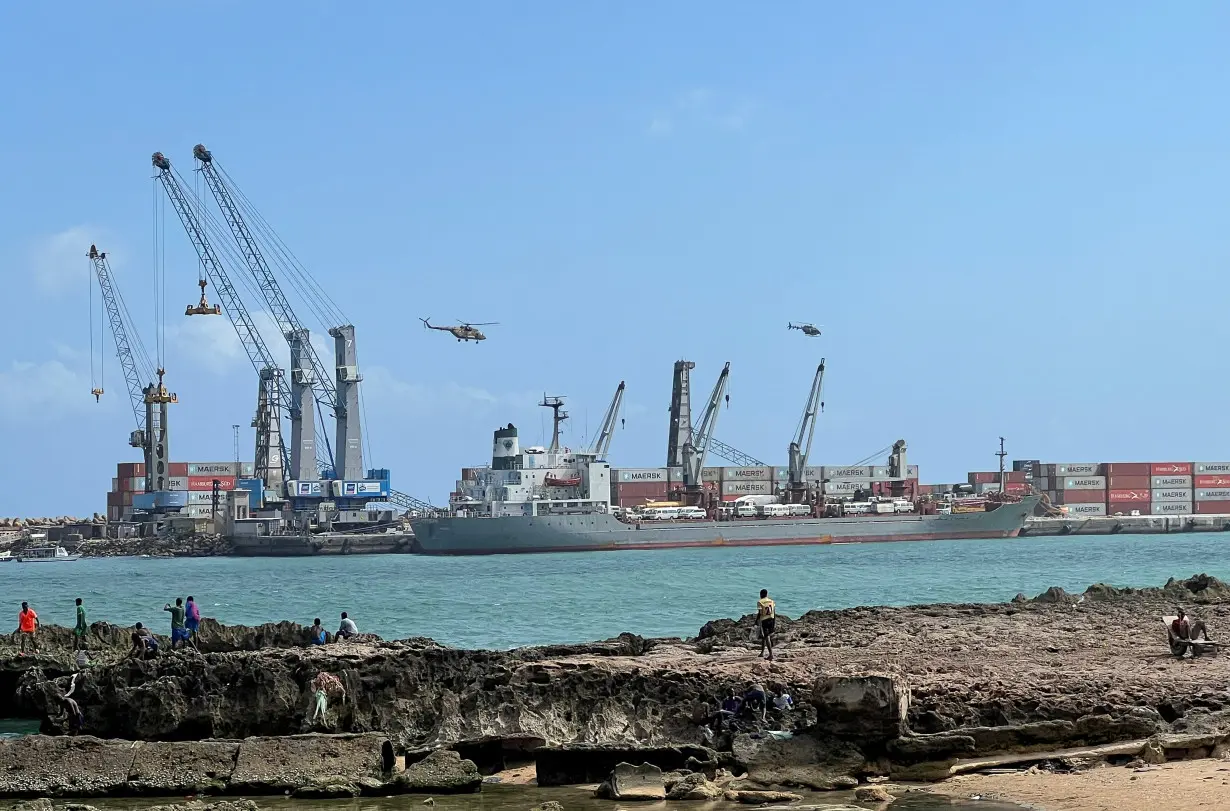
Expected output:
{"points": [[27, 627]]}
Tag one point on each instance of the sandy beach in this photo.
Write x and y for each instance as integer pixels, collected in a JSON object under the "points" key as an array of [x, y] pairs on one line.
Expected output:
{"points": [[1169, 787]]}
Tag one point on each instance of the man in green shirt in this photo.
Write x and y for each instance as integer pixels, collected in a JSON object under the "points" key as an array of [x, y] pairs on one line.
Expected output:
{"points": [[80, 628], [179, 634]]}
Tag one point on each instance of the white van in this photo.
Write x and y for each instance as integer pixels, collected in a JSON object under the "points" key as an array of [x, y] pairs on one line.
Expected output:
{"points": [[772, 510], [693, 513], [903, 505], [799, 509], [745, 510], [857, 507]]}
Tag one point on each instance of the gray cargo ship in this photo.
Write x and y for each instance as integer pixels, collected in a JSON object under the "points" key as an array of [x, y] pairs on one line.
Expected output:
{"points": [[554, 500]]}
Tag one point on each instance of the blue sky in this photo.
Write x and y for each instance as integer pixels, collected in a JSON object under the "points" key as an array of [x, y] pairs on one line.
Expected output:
{"points": [[1008, 219]]}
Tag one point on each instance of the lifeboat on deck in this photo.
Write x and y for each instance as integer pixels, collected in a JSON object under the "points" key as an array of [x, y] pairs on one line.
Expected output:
{"points": [[561, 481]]}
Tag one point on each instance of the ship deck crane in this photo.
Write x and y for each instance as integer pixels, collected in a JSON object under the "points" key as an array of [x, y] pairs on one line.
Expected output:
{"points": [[800, 448], [309, 376], [695, 448], [249, 337], [602, 445]]}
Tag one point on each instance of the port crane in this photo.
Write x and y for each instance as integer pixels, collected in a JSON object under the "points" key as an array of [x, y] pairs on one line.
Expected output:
{"points": [[602, 445], [249, 337], [697, 444], [800, 447], [312, 385], [149, 402]]}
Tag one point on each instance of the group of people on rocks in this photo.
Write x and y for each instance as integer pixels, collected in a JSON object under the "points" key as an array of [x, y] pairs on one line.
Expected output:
{"points": [[185, 622]]}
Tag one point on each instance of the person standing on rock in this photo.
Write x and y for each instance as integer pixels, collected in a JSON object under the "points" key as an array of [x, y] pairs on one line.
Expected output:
{"points": [[179, 634], [192, 620], [80, 628], [27, 628], [766, 618], [348, 628]]}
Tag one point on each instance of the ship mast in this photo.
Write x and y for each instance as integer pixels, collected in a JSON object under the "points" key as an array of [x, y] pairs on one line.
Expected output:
{"points": [[558, 415]]}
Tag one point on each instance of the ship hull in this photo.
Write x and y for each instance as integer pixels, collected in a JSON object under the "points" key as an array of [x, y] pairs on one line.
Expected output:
{"points": [[602, 532], [282, 546]]}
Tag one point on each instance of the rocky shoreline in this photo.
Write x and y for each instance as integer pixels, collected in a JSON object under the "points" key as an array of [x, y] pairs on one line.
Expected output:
{"points": [[914, 693]]}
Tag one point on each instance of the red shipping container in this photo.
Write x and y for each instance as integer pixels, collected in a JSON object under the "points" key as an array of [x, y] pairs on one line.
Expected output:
{"points": [[177, 468], [1213, 480], [199, 483], [1170, 469], [1126, 507], [1129, 483], [1127, 469], [982, 478], [1017, 488], [1141, 495], [129, 470], [1213, 507], [992, 477], [1084, 496]]}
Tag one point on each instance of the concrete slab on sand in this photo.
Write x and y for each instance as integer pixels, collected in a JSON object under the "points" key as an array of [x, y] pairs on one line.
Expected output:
{"points": [[41, 766], [288, 763], [178, 768]]}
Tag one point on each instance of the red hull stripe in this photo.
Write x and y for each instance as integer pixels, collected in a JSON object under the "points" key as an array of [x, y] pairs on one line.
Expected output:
{"points": [[825, 539]]}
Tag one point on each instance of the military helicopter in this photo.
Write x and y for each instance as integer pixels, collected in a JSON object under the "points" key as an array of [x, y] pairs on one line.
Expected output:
{"points": [[462, 332], [809, 330]]}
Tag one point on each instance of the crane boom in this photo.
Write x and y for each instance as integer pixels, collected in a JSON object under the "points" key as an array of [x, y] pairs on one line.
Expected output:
{"points": [[253, 344], [123, 348], [800, 448], [602, 445], [695, 449], [733, 454], [321, 379]]}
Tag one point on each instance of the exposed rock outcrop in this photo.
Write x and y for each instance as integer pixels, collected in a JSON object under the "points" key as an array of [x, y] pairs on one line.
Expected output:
{"points": [[441, 772], [628, 782]]}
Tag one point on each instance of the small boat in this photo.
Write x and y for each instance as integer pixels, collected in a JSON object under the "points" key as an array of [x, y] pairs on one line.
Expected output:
{"points": [[6, 556], [46, 554], [561, 481]]}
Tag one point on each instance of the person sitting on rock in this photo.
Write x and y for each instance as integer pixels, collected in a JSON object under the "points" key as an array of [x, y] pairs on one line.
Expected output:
{"points": [[347, 628], [144, 646], [1184, 631], [317, 633], [756, 700]]}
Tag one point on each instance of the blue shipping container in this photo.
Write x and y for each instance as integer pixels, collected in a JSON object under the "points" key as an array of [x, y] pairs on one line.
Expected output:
{"points": [[256, 492], [161, 499]]}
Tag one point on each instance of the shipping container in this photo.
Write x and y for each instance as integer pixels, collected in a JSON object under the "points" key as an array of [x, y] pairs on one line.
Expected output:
{"points": [[1212, 480], [1172, 508], [846, 488], [639, 489], [135, 484], [1129, 483], [982, 477], [837, 473], [114, 513], [200, 511], [1171, 482], [1044, 483], [469, 474], [204, 497], [1083, 496], [747, 488], [879, 472], [1090, 510], [1212, 467], [214, 469], [177, 468], [1170, 469], [747, 474], [1084, 483], [129, 470], [1077, 469], [813, 474], [1138, 495], [1213, 507], [1127, 469], [710, 474], [781, 474], [1128, 507], [177, 483], [1218, 494], [1027, 466], [1171, 495], [1018, 488], [911, 471], [150, 501], [207, 482], [640, 474]]}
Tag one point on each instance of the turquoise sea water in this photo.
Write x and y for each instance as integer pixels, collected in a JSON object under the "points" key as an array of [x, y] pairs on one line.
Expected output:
{"points": [[510, 600]]}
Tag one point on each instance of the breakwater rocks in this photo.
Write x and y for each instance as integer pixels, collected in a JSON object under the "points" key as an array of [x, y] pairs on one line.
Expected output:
{"points": [[918, 692]]}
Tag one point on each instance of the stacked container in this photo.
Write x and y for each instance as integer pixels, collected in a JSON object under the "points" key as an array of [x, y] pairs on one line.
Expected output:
{"points": [[1211, 488], [194, 478]]}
